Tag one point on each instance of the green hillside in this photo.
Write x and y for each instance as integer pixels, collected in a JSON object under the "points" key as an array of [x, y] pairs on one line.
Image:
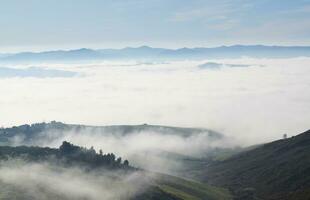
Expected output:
{"points": [[277, 170], [190, 190]]}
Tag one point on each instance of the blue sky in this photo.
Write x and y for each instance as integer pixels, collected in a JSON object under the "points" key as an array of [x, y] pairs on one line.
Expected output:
{"points": [[56, 24]]}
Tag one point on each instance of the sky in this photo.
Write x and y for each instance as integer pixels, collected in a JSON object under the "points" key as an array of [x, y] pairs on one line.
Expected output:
{"points": [[36, 25]]}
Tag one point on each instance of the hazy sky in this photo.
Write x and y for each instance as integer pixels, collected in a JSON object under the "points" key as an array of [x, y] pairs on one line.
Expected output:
{"points": [[53, 24]]}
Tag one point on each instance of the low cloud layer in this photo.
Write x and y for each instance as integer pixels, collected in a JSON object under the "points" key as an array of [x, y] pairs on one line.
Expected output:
{"points": [[37, 72], [253, 104], [214, 65]]}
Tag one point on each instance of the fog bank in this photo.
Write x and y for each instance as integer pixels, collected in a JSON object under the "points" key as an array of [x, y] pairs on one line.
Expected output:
{"points": [[255, 103]]}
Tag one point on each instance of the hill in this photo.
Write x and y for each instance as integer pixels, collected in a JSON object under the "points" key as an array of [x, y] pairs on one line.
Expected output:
{"points": [[29, 133], [41, 168], [164, 149], [277, 170]]}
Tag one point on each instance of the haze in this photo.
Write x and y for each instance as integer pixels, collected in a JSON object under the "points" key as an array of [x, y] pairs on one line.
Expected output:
{"points": [[256, 103]]}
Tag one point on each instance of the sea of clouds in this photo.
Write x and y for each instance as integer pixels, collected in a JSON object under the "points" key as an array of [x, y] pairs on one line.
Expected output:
{"points": [[255, 103]]}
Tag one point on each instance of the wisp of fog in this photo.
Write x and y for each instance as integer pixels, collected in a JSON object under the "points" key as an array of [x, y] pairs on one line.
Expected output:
{"points": [[44, 181]]}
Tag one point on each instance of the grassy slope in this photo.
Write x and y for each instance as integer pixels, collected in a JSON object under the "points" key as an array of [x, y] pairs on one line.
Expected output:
{"points": [[277, 170], [190, 190]]}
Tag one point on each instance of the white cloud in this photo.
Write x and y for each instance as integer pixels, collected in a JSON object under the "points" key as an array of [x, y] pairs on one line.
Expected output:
{"points": [[255, 104]]}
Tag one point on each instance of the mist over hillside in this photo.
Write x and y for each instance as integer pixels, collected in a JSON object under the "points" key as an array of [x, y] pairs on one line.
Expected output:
{"points": [[249, 173], [157, 148], [73, 172], [234, 98], [155, 100]]}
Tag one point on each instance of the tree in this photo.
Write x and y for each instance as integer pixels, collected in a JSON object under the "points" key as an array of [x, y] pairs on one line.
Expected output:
{"points": [[112, 157], [66, 147], [92, 150], [119, 161], [126, 163]]}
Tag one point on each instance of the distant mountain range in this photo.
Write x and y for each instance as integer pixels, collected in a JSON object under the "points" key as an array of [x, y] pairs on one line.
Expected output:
{"points": [[7, 72], [149, 53]]}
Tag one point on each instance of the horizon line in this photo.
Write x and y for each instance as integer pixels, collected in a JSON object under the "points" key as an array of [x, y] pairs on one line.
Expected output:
{"points": [[152, 47]]}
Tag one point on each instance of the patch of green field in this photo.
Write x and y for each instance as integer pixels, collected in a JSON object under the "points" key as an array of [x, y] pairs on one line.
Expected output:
{"points": [[191, 190]]}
